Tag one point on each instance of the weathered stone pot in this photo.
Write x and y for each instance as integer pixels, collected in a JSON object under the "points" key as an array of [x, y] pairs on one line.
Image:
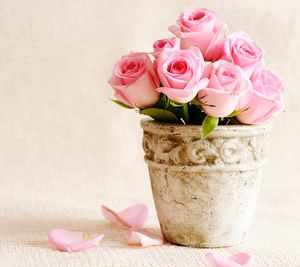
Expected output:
{"points": [[204, 191]]}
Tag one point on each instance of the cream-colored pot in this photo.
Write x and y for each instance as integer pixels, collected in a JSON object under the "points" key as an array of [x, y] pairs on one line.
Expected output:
{"points": [[204, 191]]}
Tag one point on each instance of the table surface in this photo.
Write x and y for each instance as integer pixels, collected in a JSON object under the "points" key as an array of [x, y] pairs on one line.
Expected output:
{"points": [[66, 149]]}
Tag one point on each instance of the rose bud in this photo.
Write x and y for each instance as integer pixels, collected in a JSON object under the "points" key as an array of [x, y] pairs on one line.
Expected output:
{"points": [[161, 44]]}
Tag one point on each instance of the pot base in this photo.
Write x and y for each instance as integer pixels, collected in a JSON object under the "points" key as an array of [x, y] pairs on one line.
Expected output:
{"points": [[183, 240]]}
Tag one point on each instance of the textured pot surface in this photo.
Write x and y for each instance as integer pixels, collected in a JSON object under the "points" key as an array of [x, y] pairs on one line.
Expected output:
{"points": [[205, 191]]}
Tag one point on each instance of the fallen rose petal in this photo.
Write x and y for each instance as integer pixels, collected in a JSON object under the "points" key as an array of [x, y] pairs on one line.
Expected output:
{"points": [[134, 216], [237, 260], [243, 258], [144, 238], [71, 241]]}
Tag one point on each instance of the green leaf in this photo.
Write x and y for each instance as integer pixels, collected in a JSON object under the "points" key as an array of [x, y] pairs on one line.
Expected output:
{"points": [[159, 114], [163, 102], [121, 104], [209, 125], [236, 112]]}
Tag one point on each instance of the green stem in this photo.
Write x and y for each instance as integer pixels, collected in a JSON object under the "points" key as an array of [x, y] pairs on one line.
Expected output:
{"points": [[185, 109]]}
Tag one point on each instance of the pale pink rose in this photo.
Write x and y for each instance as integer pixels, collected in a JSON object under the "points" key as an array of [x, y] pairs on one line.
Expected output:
{"points": [[238, 48], [161, 44], [266, 101], [135, 80], [180, 73], [200, 27], [229, 89]]}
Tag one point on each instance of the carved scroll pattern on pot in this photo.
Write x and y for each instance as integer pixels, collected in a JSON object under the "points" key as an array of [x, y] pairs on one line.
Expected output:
{"points": [[162, 149], [201, 152], [255, 146], [218, 152], [167, 150], [232, 151], [148, 146]]}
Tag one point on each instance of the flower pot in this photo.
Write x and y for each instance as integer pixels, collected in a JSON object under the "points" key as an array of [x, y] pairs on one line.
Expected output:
{"points": [[204, 191]]}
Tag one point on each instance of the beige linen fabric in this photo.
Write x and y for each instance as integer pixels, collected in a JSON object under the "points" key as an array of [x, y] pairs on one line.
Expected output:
{"points": [[65, 148]]}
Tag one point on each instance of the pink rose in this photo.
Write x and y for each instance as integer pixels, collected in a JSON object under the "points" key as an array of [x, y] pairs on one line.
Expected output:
{"points": [[199, 27], [239, 49], [266, 101], [180, 73], [135, 81], [160, 45], [228, 90]]}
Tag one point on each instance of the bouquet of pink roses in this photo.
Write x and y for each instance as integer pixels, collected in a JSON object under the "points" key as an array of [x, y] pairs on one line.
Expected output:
{"points": [[210, 80]]}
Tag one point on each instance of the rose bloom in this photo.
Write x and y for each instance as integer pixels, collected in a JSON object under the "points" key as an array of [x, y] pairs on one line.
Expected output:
{"points": [[229, 89], [161, 44], [180, 73], [266, 101], [239, 49], [135, 80], [199, 27]]}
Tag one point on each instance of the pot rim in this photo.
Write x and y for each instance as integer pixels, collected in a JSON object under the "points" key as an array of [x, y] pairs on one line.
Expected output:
{"points": [[221, 130]]}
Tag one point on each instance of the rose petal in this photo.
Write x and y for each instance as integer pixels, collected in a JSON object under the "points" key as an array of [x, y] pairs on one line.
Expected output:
{"points": [[222, 103], [243, 258], [199, 32], [194, 65], [161, 44], [176, 30], [119, 95], [260, 109], [186, 95], [141, 93], [134, 80], [238, 260], [71, 241], [134, 216], [143, 237]]}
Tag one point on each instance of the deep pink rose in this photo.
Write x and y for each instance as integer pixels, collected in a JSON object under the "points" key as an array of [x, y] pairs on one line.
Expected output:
{"points": [[161, 44], [266, 101], [135, 81], [229, 89], [180, 73], [239, 49], [199, 27]]}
